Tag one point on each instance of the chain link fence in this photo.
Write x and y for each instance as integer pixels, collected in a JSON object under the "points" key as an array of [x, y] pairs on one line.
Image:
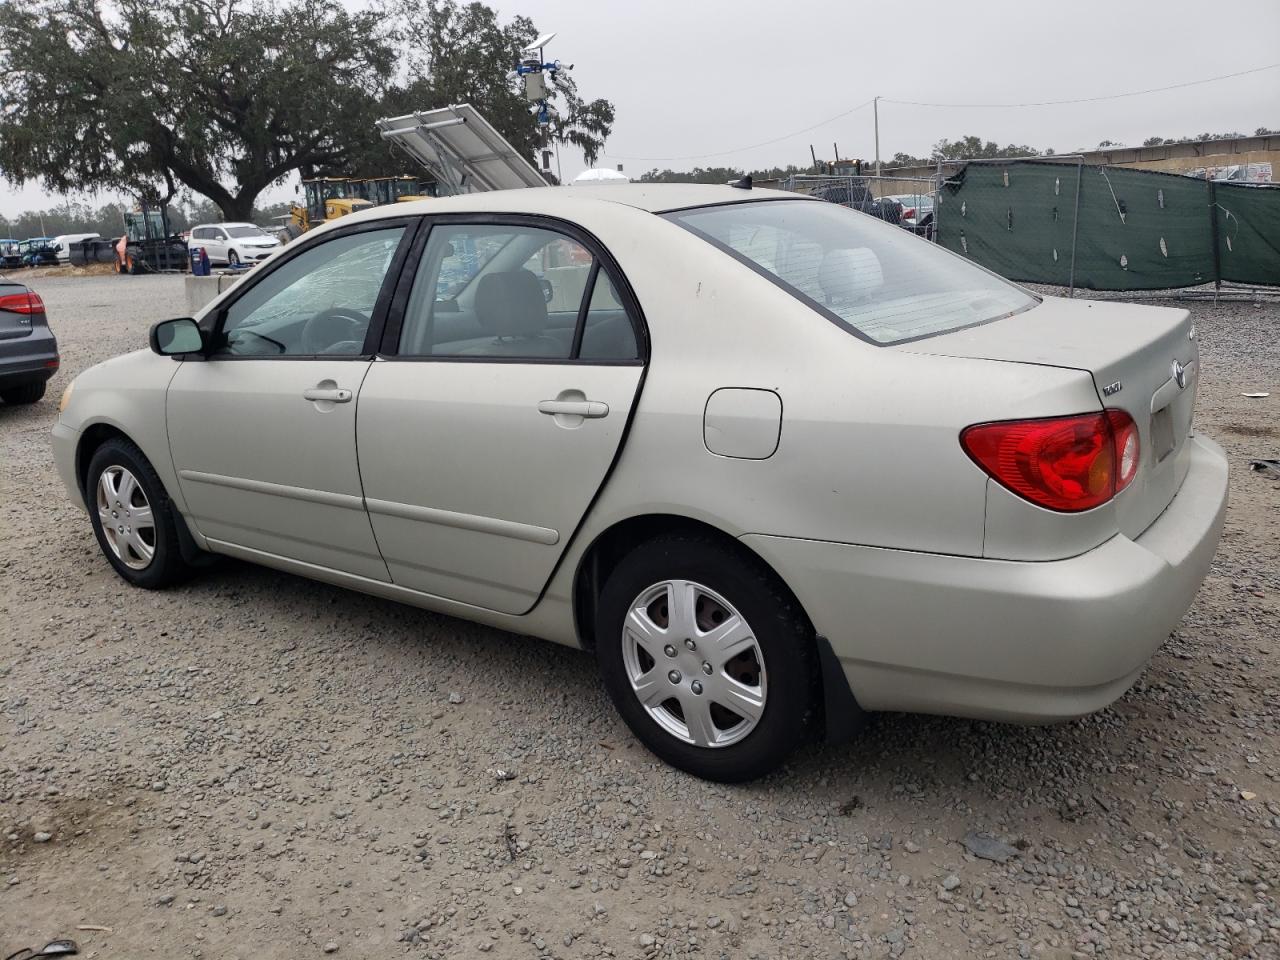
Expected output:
{"points": [[909, 202]]}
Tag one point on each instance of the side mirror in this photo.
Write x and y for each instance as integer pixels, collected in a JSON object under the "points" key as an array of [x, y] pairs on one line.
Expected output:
{"points": [[173, 337]]}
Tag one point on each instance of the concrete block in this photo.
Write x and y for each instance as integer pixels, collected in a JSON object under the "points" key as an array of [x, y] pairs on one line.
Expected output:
{"points": [[201, 290]]}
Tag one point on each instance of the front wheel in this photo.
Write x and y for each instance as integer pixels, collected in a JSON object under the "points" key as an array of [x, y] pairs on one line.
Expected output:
{"points": [[132, 517], [233, 259], [707, 657]]}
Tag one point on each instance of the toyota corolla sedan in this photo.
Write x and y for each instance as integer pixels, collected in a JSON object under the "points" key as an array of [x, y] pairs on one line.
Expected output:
{"points": [[774, 462]]}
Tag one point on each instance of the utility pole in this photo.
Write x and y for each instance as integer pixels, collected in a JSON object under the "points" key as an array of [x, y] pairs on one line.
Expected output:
{"points": [[875, 109]]}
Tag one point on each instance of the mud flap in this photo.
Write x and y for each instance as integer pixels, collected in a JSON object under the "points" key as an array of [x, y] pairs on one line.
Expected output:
{"points": [[842, 717]]}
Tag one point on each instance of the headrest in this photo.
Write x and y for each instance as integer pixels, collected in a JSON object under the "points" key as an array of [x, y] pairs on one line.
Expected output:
{"points": [[511, 304], [849, 274]]}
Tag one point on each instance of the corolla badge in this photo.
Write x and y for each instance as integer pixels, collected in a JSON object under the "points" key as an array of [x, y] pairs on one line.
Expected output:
{"points": [[1179, 374]]}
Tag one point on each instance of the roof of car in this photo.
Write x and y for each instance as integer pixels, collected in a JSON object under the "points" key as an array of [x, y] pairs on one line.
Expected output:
{"points": [[653, 197]]}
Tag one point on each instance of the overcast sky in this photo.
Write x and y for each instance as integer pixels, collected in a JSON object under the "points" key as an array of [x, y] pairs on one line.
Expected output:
{"points": [[697, 81]]}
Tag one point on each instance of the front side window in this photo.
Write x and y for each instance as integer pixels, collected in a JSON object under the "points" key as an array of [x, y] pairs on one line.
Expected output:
{"points": [[318, 303], [876, 280], [496, 290]]}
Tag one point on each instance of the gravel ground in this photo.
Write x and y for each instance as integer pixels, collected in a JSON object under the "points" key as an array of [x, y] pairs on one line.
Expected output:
{"points": [[255, 765]]}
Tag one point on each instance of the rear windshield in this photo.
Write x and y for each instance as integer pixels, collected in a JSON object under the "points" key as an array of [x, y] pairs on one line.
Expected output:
{"points": [[876, 280]]}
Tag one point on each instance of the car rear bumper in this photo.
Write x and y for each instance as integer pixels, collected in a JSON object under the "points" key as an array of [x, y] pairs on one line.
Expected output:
{"points": [[33, 359], [1008, 640]]}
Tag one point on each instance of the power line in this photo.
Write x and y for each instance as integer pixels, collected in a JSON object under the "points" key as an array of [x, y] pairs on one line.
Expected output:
{"points": [[921, 103], [765, 143], [1110, 96]]}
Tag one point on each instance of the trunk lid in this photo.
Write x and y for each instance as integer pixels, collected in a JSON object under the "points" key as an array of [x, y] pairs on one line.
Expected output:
{"points": [[1143, 360], [14, 325]]}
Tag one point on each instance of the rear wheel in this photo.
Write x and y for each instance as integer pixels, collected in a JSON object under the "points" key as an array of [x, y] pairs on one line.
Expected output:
{"points": [[708, 659], [133, 519], [24, 394]]}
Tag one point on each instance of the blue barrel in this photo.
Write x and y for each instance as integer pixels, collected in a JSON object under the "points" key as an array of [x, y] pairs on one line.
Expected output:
{"points": [[199, 262]]}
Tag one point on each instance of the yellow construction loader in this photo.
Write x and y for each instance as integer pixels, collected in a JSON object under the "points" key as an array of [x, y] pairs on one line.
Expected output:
{"points": [[326, 198], [382, 190]]}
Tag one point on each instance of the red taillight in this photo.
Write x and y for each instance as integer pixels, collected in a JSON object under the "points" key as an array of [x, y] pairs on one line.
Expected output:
{"points": [[1063, 463], [27, 303], [909, 212]]}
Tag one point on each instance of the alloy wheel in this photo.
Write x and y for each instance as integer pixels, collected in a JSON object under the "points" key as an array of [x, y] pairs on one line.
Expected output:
{"points": [[694, 663], [128, 523]]}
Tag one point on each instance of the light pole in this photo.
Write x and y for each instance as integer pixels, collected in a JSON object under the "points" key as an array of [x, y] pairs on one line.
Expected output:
{"points": [[875, 109]]}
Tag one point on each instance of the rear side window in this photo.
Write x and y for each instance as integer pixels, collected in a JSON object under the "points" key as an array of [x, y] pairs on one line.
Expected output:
{"points": [[876, 280], [518, 292]]}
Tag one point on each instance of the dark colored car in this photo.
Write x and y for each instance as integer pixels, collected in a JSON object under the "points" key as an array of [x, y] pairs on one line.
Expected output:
{"points": [[9, 256], [28, 348], [853, 192]]}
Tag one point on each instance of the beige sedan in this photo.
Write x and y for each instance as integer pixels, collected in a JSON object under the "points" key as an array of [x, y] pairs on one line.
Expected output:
{"points": [[774, 462]]}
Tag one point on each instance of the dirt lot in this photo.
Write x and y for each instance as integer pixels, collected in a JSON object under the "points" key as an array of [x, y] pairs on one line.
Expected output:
{"points": [[259, 766]]}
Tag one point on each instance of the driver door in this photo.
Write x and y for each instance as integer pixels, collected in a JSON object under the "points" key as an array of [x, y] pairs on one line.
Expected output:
{"points": [[262, 432]]}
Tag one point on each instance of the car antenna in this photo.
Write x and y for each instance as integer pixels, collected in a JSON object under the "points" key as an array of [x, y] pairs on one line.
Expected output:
{"points": [[742, 183]]}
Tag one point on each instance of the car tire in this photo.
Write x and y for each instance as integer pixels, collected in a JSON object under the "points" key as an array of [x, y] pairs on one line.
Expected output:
{"points": [[145, 556], [23, 395], [233, 259], [773, 657]]}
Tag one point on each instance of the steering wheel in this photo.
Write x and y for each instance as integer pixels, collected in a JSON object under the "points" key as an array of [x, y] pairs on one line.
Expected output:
{"points": [[329, 328]]}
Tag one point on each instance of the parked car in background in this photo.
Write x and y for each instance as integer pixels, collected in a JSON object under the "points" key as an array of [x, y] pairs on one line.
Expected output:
{"points": [[9, 256], [917, 212], [28, 348], [62, 244], [233, 243], [37, 252], [773, 462], [854, 193]]}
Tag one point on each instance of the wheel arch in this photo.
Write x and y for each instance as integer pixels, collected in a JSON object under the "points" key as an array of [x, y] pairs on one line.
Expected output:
{"points": [[616, 541], [91, 438]]}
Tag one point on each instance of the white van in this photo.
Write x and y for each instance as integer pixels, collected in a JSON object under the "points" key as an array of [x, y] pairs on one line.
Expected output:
{"points": [[62, 244]]}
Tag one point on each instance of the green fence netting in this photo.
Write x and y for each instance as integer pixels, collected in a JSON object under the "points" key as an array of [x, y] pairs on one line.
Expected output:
{"points": [[1108, 228], [1248, 233]]}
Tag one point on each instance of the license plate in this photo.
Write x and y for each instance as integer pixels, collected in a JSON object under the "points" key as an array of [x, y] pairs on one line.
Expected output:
{"points": [[1162, 433]]}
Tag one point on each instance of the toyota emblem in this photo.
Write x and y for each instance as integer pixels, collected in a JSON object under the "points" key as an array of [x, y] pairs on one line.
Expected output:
{"points": [[1179, 374]]}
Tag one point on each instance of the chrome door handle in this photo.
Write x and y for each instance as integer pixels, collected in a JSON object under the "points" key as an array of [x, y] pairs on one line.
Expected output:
{"points": [[590, 409], [332, 394]]}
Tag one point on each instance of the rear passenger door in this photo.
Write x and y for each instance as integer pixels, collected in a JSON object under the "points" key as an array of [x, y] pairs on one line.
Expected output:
{"points": [[497, 407]]}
